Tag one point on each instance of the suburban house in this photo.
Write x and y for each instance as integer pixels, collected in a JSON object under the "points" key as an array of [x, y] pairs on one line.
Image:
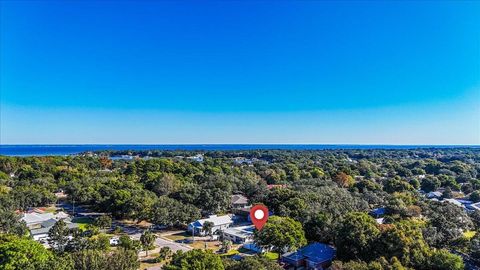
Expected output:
{"points": [[219, 223], [41, 233], [40, 223], [239, 235], [197, 158], [315, 256], [239, 201], [378, 214], [434, 195]]}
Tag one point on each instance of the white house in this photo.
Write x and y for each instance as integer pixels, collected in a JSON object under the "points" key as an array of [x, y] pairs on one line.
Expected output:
{"points": [[41, 233], [40, 223], [219, 223], [197, 158], [434, 195], [239, 235]]}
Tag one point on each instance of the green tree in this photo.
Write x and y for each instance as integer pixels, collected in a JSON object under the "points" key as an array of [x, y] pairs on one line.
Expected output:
{"points": [[10, 223], [124, 260], [207, 228], [89, 259], [195, 259], [164, 254], [430, 183], [444, 260], [147, 238], [103, 222], [281, 234], [252, 263], [317, 229], [356, 236], [170, 212], [128, 243], [58, 236], [18, 253], [100, 242], [475, 196]]}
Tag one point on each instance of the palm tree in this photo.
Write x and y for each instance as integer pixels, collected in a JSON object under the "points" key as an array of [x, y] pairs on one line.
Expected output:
{"points": [[207, 228], [147, 240]]}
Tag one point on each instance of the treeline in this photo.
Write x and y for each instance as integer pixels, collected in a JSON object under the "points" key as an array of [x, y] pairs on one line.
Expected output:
{"points": [[325, 191]]}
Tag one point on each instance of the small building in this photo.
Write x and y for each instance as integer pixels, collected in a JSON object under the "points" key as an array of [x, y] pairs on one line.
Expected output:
{"points": [[219, 223], [41, 233], [315, 256], [239, 201], [34, 219], [197, 158], [378, 212], [434, 195], [239, 235]]}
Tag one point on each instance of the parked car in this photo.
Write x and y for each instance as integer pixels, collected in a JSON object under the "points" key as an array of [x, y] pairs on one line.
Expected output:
{"points": [[114, 241]]}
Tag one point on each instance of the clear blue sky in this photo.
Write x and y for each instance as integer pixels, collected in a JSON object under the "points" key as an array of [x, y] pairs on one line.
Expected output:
{"points": [[240, 72]]}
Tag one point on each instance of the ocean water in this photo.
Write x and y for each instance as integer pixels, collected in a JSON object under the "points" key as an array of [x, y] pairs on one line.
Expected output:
{"points": [[63, 150]]}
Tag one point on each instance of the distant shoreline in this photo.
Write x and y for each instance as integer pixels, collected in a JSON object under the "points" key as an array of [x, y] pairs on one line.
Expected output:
{"points": [[72, 149]]}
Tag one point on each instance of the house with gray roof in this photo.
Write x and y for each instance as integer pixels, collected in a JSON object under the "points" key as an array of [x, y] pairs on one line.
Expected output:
{"points": [[219, 223], [239, 201]]}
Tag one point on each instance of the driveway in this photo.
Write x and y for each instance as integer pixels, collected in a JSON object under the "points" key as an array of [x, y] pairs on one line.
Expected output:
{"points": [[162, 242]]}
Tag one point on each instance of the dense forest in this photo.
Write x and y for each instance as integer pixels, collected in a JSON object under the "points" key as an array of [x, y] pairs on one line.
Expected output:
{"points": [[328, 193]]}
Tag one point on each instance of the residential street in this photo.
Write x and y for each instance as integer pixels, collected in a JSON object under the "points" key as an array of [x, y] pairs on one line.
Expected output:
{"points": [[162, 242]]}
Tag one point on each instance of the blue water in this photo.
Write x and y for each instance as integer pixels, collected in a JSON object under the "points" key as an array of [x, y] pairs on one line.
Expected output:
{"points": [[62, 150]]}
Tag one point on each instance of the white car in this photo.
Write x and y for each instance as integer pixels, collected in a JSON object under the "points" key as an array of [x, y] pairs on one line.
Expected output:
{"points": [[114, 241]]}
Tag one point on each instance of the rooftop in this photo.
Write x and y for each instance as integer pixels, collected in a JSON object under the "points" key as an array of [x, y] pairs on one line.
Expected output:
{"points": [[315, 252], [216, 220], [241, 231], [239, 199]]}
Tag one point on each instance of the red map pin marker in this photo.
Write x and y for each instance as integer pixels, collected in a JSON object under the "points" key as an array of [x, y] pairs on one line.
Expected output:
{"points": [[259, 215]]}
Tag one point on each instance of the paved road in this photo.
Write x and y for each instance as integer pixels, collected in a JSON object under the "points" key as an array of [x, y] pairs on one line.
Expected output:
{"points": [[162, 242]]}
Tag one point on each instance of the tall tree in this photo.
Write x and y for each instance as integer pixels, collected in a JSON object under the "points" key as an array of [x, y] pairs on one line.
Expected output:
{"points": [[356, 235], [281, 234], [147, 238], [195, 259], [58, 236]]}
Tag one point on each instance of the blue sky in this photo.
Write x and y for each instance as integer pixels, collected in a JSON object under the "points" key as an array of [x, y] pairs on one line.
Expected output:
{"points": [[240, 72]]}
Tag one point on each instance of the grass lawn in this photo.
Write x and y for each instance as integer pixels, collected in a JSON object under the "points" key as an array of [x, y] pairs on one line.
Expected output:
{"points": [[82, 222], [178, 236], [469, 234], [213, 245], [230, 253], [271, 255]]}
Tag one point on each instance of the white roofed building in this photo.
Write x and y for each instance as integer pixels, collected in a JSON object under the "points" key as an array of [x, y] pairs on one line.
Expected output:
{"points": [[219, 223]]}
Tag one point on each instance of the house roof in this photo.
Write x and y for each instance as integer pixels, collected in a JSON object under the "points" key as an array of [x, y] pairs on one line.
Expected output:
{"points": [[379, 211], [48, 224], [315, 252], [33, 217], [435, 193], [242, 231], [239, 199], [475, 206], [216, 220], [457, 203]]}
